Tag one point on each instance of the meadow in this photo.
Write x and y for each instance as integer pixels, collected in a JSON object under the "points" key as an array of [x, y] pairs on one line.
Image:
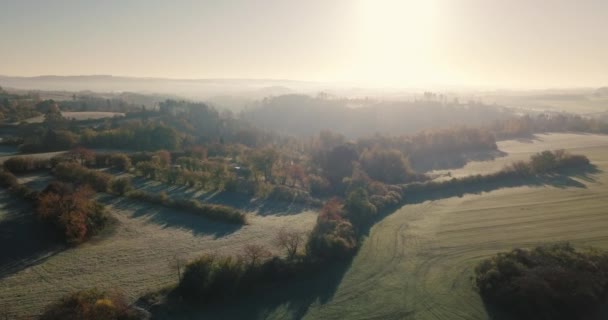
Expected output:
{"points": [[416, 263]]}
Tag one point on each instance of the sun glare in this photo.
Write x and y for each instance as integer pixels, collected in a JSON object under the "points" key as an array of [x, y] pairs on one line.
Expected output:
{"points": [[396, 38]]}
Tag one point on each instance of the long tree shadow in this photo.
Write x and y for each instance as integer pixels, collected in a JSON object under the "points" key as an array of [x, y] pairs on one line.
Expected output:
{"points": [[237, 200], [287, 300], [563, 179], [453, 160], [170, 217], [496, 313], [292, 299], [24, 240]]}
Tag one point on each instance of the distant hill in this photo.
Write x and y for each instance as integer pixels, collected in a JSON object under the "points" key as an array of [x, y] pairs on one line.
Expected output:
{"points": [[602, 92], [194, 88]]}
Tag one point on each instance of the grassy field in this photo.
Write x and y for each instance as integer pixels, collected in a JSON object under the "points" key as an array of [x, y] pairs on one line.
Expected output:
{"points": [[137, 255], [417, 262]]}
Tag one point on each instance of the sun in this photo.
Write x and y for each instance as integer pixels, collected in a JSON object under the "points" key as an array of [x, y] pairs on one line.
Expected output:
{"points": [[395, 38]]}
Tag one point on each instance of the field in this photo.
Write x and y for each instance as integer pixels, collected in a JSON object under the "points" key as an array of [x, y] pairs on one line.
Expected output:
{"points": [[415, 264], [137, 255]]}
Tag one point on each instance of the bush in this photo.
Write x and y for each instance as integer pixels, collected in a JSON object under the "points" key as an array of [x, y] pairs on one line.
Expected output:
{"points": [[284, 193], [75, 173], [209, 211], [8, 180], [73, 212], [319, 186], [333, 236], [121, 186], [92, 304], [550, 282], [25, 164], [120, 161], [213, 277]]}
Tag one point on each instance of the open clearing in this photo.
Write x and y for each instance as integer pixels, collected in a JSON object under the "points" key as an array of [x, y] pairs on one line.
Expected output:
{"points": [[417, 262], [137, 256]]}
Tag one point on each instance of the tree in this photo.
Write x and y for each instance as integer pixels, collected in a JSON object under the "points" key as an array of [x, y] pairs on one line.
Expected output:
{"points": [[82, 155], [289, 241], [338, 163], [262, 160], [164, 158], [386, 165], [53, 117], [359, 210], [254, 254], [73, 212]]}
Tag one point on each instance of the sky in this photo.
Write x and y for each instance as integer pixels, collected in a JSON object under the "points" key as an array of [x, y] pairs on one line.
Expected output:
{"points": [[402, 43]]}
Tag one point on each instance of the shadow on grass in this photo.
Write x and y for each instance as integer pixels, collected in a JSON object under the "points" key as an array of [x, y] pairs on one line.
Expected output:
{"points": [[24, 240], [169, 217], [237, 200], [496, 313], [288, 300], [292, 299], [563, 179], [453, 160]]}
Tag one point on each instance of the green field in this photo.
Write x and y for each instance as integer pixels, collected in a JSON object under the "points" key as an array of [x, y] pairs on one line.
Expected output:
{"points": [[417, 262]]}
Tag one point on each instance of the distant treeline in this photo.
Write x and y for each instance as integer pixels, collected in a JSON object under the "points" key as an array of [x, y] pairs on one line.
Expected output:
{"points": [[303, 115]]}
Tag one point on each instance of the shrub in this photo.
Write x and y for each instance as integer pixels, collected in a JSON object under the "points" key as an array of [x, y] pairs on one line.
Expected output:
{"points": [[358, 209], [8, 180], [25, 164], [92, 304], [549, 282], [120, 161], [284, 193], [121, 186], [75, 173], [209, 211], [319, 186], [333, 236], [72, 211]]}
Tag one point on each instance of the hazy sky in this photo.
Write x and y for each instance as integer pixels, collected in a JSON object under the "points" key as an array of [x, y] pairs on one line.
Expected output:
{"points": [[509, 43]]}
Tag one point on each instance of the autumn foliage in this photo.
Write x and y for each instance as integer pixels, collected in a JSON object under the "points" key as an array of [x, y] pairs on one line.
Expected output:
{"points": [[73, 212], [92, 304]]}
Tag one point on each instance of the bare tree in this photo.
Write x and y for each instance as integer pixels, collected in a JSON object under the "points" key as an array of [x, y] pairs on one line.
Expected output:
{"points": [[178, 263], [289, 241], [255, 254]]}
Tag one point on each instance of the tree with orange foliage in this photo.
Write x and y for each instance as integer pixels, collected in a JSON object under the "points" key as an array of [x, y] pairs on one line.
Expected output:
{"points": [[73, 212]]}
